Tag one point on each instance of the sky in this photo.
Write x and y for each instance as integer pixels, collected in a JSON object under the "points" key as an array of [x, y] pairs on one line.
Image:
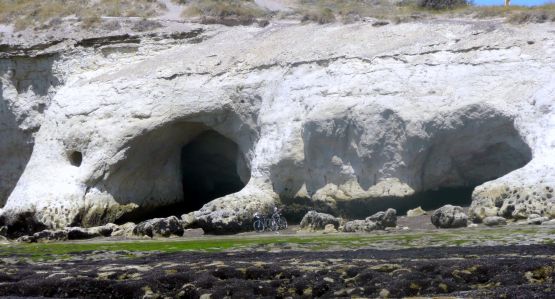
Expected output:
{"points": [[513, 2]]}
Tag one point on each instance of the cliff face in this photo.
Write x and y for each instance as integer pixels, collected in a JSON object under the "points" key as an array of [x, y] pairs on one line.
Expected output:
{"points": [[341, 117]]}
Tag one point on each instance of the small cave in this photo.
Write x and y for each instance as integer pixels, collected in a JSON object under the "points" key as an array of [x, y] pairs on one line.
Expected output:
{"points": [[451, 163], [76, 158], [209, 170], [176, 170]]}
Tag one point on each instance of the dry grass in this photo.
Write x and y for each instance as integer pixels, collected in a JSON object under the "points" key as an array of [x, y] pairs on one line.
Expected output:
{"points": [[223, 9], [48, 13], [516, 14], [32, 13], [346, 11]]}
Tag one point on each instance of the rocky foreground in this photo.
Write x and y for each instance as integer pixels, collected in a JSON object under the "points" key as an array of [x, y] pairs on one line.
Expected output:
{"points": [[515, 260], [280, 270]]}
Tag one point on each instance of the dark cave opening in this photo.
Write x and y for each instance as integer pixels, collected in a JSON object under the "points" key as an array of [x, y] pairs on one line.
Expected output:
{"points": [[428, 200], [200, 167], [209, 165]]}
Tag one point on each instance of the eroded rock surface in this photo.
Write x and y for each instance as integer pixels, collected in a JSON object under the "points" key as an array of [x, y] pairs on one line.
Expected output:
{"points": [[359, 117], [159, 227], [494, 221], [318, 221], [449, 216], [384, 219]]}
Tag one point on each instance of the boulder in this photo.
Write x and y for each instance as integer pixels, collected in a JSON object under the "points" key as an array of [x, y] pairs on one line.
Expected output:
{"points": [[187, 220], [449, 216], [80, 233], [416, 212], [537, 220], [44, 236], [384, 219], [159, 227], [318, 221], [330, 229], [494, 221], [356, 226], [124, 230]]}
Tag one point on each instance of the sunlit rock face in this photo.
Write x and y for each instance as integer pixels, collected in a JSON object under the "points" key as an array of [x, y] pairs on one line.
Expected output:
{"points": [[347, 119], [26, 87]]}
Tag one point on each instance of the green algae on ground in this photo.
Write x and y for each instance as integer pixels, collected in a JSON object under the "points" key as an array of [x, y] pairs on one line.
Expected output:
{"points": [[313, 242]]}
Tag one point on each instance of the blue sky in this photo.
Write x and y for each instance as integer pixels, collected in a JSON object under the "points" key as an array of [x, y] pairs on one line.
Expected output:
{"points": [[513, 2]]}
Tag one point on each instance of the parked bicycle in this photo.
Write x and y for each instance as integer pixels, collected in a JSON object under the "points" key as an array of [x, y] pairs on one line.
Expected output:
{"points": [[259, 223], [273, 223]]}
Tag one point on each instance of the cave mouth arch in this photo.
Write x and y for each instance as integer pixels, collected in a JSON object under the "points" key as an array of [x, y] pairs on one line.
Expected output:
{"points": [[209, 169], [450, 162], [176, 169]]}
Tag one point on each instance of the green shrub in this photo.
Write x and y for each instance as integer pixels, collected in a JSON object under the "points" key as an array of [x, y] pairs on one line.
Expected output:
{"points": [[321, 16], [443, 4]]}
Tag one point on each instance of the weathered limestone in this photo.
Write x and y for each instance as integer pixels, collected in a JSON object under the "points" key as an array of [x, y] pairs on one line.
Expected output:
{"points": [[358, 226], [159, 227], [449, 216], [384, 219], [358, 115], [418, 211], [318, 221], [494, 221]]}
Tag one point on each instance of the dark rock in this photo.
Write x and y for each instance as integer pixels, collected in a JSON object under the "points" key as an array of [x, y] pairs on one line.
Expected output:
{"points": [[79, 233], [318, 221], [359, 226], [162, 227], [384, 219], [45, 235], [449, 216]]}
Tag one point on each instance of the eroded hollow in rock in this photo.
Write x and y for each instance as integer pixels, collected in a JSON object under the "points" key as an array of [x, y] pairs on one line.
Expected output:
{"points": [[176, 169], [445, 164], [76, 158], [209, 169]]}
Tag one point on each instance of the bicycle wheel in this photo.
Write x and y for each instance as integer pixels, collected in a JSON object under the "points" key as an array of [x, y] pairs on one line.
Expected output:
{"points": [[282, 223], [268, 224], [274, 224], [258, 226]]}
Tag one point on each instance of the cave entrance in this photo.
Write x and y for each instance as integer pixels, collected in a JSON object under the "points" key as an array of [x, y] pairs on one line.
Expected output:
{"points": [[176, 169], [210, 166], [451, 163]]}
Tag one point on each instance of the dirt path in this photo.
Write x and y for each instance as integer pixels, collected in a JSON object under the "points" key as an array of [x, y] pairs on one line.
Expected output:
{"points": [[274, 5], [173, 12]]}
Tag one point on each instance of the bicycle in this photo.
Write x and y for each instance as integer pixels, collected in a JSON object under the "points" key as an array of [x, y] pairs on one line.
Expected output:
{"points": [[259, 223], [278, 222], [273, 223]]}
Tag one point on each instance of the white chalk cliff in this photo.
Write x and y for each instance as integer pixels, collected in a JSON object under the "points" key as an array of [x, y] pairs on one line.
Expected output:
{"points": [[336, 116]]}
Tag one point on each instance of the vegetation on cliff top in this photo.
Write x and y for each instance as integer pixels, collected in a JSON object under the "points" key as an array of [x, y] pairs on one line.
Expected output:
{"points": [[31, 13], [45, 14]]}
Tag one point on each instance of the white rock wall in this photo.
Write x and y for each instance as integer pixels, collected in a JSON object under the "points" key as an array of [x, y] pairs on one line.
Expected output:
{"points": [[322, 114]]}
